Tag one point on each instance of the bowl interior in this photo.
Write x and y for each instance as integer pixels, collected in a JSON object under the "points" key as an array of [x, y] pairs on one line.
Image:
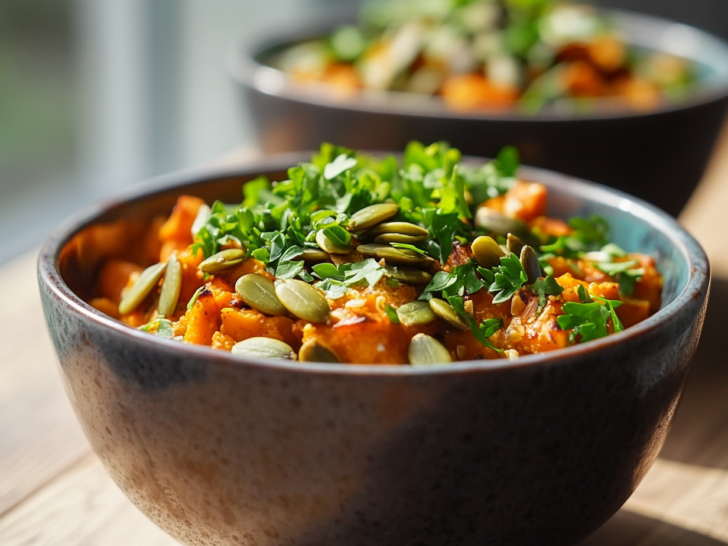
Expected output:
{"points": [[635, 226], [708, 53]]}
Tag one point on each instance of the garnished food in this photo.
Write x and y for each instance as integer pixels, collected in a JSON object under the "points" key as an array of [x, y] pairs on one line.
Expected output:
{"points": [[357, 259], [490, 54]]}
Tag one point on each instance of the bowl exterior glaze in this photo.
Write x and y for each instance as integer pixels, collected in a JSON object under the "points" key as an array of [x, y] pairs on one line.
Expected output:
{"points": [[225, 451], [659, 156]]}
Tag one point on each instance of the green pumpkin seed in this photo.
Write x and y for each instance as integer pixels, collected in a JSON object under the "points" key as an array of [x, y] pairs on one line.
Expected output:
{"points": [[314, 255], [260, 294], [369, 250], [425, 350], [499, 224], [530, 264], [264, 347], [402, 256], [314, 351], [409, 276], [514, 245], [303, 300], [405, 228], [171, 287], [329, 245], [446, 312], [487, 252], [372, 215], [416, 313], [399, 238], [222, 261], [141, 288]]}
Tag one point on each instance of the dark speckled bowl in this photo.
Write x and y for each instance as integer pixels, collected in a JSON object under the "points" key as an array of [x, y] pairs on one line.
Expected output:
{"points": [[659, 156], [219, 450]]}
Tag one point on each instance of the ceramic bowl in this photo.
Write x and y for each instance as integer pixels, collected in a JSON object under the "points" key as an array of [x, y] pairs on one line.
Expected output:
{"points": [[223, 450], [659, 156]]}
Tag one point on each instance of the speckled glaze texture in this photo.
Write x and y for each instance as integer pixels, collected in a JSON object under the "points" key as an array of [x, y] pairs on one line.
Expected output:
{"points": [[659, 156], [226, 451]]}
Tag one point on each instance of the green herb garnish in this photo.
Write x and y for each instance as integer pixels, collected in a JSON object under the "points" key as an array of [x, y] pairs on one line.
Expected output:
{"points": [[589, 318]]}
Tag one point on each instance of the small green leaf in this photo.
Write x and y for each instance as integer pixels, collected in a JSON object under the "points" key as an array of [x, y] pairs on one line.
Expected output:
{"points": [[327, 271], [338, 166], [409, 247], [392, 314], [288, 270], [481, 332], [544, 288], [194, 298]]}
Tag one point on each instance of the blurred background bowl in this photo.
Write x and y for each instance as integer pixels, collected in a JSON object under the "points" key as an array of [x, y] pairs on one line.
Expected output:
{"points": [[226, 450], [658, 155]]}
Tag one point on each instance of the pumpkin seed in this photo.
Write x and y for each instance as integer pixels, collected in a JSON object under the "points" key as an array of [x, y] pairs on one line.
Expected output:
{"points": [[203, 215], [446, 312], [369, 250], [425, 350], [530, 264], [399, 238], [409, 276], [260, 294], [372, 215], [314, 255], [314, 351], [402, 256], [416, 313], [264, 347], [171, 287], [514, 245], [222, 261], [499, 224], [331, 246], [303, 300], [405, 228], [141, 288], [487, 252]]}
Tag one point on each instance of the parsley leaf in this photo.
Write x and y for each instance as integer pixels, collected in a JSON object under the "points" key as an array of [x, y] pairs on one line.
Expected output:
{"points": [[462, 279], [443, 228], [589, 318], [408, 247], [508, 277], [627, 281], [481, 332], [589, 234], [392, 314], [368, 270], [338, 166], [334, 289], [546, 287]]}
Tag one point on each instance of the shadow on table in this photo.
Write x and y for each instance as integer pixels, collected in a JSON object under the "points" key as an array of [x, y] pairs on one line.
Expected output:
{"points": [[699, 434], [629, 528]]}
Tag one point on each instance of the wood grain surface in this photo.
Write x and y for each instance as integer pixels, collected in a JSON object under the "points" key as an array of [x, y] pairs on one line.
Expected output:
{"points": [[54, 491]]}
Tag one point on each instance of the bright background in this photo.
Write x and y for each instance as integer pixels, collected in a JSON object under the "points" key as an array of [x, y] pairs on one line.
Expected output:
{"points": [[96, 95]]}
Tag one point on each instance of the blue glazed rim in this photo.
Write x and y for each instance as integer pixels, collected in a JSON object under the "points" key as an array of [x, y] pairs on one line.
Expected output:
{"points": [[695, 290]]}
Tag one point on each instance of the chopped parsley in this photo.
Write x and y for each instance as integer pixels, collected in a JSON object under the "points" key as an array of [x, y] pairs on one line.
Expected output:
{"points": [[506, 279], [589, 319], [482, 331], [544, 288]]}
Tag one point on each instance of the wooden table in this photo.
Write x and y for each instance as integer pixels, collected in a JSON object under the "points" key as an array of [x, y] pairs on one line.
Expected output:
{"points": [[55, 492]]}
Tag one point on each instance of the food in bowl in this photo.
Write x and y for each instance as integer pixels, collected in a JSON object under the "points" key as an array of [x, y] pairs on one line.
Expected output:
{"points": [[490, 55], [357, 259]]}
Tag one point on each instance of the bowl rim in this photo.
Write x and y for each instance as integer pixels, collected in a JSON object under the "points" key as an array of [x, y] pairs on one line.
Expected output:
{"points": [[49, 276], [243, 66]]}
